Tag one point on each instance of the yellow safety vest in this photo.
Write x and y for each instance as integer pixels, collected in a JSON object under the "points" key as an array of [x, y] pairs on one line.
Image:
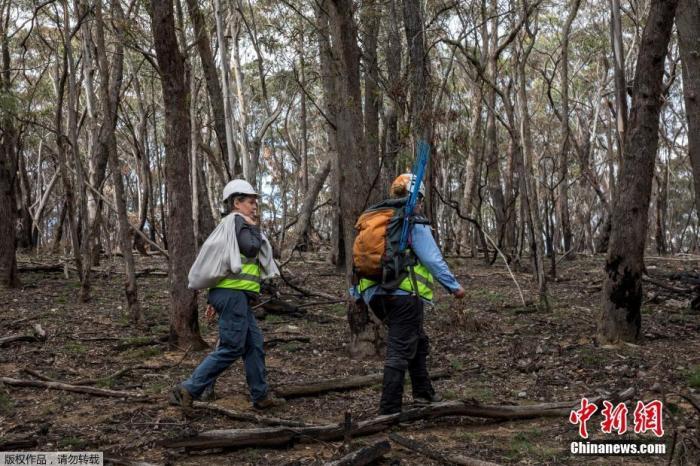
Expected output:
{"points": [[424, 282], [248, 279]]}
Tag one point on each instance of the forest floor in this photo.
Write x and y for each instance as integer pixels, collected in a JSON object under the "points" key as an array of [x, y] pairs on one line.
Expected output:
{"points": [[499, 353]]}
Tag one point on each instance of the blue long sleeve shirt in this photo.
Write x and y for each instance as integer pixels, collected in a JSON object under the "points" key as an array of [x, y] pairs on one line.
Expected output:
{"points": [[423, 245]]}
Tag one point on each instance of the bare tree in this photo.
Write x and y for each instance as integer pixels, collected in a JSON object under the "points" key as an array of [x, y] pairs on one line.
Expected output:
{"points": [[688, 24], [621, 318], [184, 325], [563, 199], [8, 169]]}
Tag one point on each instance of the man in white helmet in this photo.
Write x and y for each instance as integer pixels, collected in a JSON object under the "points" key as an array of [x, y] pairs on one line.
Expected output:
{"points": [[230, 298], [397, 297]]}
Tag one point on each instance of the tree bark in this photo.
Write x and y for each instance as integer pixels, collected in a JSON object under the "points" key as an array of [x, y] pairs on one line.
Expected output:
{"points": [[619, 73], [184, 326], [688, 24], [396, 97], [330, 84], [371, 11], [353, 186], [563, 199], [621, 318], [226, 88], [8, 170], [493, 167], [421, 104], [216, 97], [303, 221]]}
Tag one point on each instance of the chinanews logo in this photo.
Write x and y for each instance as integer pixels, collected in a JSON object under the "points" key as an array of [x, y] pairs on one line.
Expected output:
{"points": [[647, 418]]}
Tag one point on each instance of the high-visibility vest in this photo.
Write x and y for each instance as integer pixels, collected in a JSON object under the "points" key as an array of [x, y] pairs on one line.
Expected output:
{"points": [[248, 279], [424, 282]]}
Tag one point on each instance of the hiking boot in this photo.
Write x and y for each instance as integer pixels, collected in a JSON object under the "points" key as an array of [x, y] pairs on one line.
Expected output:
{"points": [[208, 394], [269, 402], [425, 400], [392, 391], [180, 396]]}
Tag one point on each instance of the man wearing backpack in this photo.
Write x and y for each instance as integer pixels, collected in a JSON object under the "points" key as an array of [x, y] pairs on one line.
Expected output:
{"points": [[396, 284], [235, 245]]}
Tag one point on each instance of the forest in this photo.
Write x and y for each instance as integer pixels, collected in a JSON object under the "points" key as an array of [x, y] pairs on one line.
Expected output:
{"points": [[562, 188]]}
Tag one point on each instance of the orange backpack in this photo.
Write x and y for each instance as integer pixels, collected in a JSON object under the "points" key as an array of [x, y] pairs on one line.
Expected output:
{"points": [[375, 252], [370, 242]]}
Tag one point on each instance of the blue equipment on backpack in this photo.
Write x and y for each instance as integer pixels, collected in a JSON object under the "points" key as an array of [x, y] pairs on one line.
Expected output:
{"points": [[418, 173]]}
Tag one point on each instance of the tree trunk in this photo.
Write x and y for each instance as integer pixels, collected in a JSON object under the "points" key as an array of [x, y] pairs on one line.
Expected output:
{"points": [[688, 24], [353, 174], [622, 291], [619, 70], [216, 97], [110, 86], [243, 142], [184, 326], [330, 103], [396, 97], [662, 208], [371, 11], [226, 88], [303, 221], [563, 199], [8, 169], [529, 187], [421, 91]]}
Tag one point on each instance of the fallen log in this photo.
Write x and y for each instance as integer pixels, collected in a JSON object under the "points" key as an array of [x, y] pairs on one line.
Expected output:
{"points": [[364, 455], [666, 286], [329, 385], [4, 341], [286, 339], [40, 268], [247, 417], [280, 307], [38, 335], [20, 444], [116, 461], [437, 455], [72, 388], [138, 342], [281, 436]]}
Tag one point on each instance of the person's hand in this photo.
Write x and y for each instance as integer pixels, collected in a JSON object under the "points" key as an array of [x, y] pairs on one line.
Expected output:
{"points": [[249, 220], [210, 313], [459, 294]]}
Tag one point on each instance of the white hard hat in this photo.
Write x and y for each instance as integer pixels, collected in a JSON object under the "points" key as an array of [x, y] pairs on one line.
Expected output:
{"points": [[403, 185], [238, 187]]}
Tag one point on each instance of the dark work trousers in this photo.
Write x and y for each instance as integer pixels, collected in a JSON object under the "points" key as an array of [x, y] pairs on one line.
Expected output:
{"points": [[407, 348], [239, 336]]}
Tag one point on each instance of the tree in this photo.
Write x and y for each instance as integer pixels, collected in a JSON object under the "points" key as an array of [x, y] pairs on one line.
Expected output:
{"points": [[184, 325], [8, 169], [354, 187], [688, 24], [563, 200], [621, 318]]}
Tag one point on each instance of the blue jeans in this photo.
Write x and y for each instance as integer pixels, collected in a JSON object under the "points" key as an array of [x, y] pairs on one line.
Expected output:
{"points": [[239, 335]]}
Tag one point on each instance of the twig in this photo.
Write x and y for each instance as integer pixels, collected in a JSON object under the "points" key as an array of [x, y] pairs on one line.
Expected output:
{"points": [[305, 291], [347, 383], [364, 455], [246, 417], [455, 206], [72, 388], [322, 303], [436, 455]]}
